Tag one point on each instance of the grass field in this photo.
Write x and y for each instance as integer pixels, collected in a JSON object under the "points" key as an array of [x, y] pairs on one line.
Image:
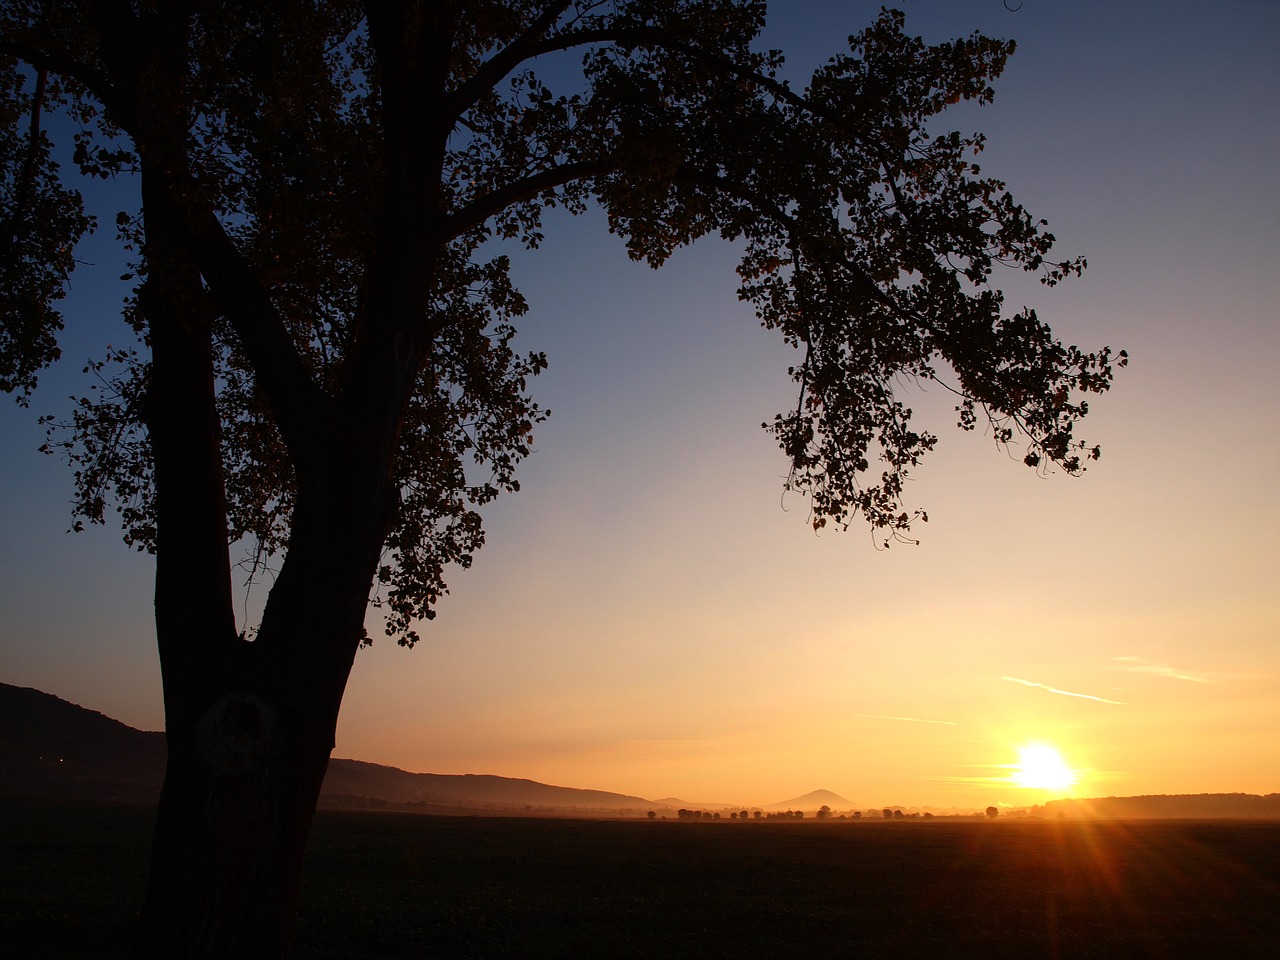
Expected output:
{"points": [[383, 885]]}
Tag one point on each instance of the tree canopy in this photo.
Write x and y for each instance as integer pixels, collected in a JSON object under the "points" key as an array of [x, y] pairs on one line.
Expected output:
{"points": [[345, 177]]}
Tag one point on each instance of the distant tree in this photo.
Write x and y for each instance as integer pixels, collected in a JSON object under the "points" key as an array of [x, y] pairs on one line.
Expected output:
{"points": [[887, 813], [824, 812], [653, 814], [992, 813], [857, 814], [758, 814], [323, 364]]}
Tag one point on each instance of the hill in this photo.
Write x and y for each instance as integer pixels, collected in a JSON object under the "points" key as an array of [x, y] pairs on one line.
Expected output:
{"points": [[52, 748], [814, 800], [349, 779], [55, 749]]}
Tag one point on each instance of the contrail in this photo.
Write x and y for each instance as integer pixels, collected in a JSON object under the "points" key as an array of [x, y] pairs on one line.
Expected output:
{"points": [[1065, 693], [877, 716], [1138, 665]]}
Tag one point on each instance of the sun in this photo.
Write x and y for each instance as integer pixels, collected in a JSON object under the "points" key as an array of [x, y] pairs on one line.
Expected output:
{"points": [[1041, 767]]}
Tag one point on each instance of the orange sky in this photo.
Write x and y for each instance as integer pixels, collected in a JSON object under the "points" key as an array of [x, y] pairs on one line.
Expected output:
{"points": [[651, 616]]}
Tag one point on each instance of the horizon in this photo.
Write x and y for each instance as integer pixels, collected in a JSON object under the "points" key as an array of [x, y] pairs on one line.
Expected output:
{"points": [[652, 617], [811, 800]]}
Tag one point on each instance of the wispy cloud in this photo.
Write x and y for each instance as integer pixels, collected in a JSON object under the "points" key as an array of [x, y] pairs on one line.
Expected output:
{"points": [[1138, 665], [877, 716], [1065, 693]]}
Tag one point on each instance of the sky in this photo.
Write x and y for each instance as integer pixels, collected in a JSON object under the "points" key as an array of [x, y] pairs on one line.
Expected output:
{"points": [[652, 616]]}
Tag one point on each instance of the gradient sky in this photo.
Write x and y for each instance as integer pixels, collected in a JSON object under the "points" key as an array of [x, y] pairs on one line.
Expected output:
{"points": [[651, 616]]}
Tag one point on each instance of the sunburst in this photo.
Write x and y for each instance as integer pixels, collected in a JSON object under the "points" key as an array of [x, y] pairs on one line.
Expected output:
{"points": [[1042, 767]]}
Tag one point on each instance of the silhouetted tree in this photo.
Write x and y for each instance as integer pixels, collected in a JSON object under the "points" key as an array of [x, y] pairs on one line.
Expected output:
{"points": [[824, 812], [323, 365], [887, 813], [992, 813]]}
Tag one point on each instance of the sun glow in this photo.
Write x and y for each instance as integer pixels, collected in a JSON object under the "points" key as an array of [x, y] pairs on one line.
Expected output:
{"points": [[1042, 767]]}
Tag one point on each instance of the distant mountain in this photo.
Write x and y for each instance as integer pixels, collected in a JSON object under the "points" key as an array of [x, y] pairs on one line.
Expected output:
{"points": [[1189, 806], [813, 801], [52, 748]]}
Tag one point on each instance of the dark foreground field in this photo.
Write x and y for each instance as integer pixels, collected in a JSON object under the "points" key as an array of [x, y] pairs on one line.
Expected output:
{"points": [[391, 886]]}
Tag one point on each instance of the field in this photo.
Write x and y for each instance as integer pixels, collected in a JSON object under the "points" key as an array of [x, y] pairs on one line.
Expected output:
{"points": [[383, 886]]}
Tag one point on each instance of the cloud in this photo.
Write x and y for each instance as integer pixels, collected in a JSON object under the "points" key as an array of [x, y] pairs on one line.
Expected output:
{"points": [[1065, 693], [1138, 665], [877, 716]]}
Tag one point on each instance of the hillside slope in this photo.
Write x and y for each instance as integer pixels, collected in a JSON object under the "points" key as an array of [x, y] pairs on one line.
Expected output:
{"points": [[52, 748]]}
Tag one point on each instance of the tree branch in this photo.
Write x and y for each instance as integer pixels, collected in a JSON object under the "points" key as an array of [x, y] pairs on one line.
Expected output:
{"points": [[771, 210], [296, 400], [494, 202], [60, 63], [9, 232], [501, 64]]}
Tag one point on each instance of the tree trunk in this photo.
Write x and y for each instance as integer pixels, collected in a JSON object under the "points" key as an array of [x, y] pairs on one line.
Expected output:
{"points": [[249, 725], [249, 740], [239, 796]]}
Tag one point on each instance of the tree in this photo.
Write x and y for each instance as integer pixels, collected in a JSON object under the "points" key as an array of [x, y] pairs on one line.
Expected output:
{"points": [[324, 365], [992, 813]]}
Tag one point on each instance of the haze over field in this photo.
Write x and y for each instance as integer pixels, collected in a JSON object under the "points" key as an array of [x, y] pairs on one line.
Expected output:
{"points": [[652, 617]]}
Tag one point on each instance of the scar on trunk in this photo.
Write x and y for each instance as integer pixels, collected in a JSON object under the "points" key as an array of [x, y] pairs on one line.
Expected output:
{"points": [[236, 733]]}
